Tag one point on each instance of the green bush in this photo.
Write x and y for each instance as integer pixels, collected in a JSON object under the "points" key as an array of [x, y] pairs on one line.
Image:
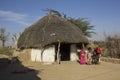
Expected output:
{"points": [[6, 51], [110, 47]]}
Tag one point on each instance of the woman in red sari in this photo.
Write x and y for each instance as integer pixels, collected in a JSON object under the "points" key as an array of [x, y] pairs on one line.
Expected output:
{"points": [[82, 56]]}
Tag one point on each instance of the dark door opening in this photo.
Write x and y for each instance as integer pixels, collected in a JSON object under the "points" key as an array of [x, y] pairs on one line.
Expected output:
{"points": [[65, 52]]}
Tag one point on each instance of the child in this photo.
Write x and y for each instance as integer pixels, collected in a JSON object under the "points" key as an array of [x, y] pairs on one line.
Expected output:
{"points": [[97, 51], [89, 53]]}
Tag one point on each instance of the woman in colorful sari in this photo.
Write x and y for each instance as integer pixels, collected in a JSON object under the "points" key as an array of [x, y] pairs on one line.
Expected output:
{"points": [[82, 56]]}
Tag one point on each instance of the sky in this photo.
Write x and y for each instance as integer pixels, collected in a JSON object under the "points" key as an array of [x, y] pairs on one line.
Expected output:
{"points": [[104, 15]]}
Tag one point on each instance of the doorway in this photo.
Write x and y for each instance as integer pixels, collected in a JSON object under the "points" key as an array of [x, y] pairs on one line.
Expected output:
{"points": [[65, 52]]}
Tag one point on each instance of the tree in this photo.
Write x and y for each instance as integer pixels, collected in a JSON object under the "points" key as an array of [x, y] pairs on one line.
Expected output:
{"points": [[3, 36], [51, 11], [82, 23], [15, 40]]}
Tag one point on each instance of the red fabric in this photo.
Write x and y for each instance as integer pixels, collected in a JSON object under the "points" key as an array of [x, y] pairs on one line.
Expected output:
{"points": [[98, 50]]}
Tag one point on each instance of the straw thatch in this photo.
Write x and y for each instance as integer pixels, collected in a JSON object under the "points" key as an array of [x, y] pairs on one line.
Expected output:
{"points": [[48, 30]]}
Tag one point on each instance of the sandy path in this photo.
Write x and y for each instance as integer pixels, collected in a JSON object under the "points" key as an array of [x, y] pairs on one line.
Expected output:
{"points": [[65, 71]]}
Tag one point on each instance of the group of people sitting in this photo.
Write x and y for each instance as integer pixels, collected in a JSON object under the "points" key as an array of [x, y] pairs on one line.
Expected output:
{"points": [[90, 56]]}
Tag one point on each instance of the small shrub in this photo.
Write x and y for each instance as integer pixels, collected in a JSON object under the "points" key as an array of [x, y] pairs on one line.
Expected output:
{"points": [[6, 51]]}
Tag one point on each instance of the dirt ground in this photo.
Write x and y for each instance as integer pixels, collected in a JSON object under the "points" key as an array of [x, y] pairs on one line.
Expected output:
{"points": [[67, 70]]}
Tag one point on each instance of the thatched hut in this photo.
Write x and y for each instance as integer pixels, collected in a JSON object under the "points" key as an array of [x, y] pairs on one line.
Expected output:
{"points": [[51, 36]]}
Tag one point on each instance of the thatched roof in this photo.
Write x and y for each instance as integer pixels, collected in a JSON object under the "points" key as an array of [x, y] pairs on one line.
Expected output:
{"points": [[49, 30]]}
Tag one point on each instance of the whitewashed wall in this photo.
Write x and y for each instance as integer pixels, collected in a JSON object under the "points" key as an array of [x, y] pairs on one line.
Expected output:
{"points": [[49, 54], [73, 53], [36, 55]]}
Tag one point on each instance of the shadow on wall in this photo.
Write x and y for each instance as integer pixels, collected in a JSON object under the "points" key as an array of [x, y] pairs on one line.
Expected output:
{"points": [[16, 71]]}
